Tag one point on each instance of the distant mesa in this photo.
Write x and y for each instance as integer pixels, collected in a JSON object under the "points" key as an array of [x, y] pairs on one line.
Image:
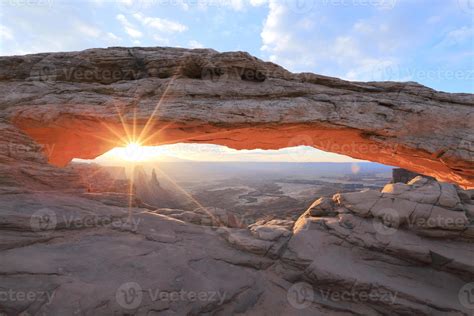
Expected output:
{"points": [[148, 190]]}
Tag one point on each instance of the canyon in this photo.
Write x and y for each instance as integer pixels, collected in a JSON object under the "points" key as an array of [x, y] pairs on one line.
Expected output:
{"points": [[70, 248]]}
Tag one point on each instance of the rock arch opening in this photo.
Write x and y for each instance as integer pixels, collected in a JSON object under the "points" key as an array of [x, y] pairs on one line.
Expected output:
{"points": [[243, 185]]}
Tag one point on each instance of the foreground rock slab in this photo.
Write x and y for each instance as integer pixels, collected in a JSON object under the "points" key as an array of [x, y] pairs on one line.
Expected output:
{"points": [[64, 253]]}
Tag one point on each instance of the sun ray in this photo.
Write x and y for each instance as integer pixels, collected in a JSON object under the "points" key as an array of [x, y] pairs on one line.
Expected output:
{"points": [[187, 194], [123, 140], [109, 140], [144, 131], [134, 125], [151, 136], [130, 196], [124, 125]]}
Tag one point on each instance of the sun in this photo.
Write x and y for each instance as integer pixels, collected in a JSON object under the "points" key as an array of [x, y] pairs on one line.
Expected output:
{"points": [[134, 152]]}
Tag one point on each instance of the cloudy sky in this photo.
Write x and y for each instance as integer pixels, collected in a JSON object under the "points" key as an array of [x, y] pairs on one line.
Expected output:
{"points": [[428, 41]]}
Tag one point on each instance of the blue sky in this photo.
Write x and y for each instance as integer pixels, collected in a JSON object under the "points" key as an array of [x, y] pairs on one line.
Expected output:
{"points": [[431, 42]]}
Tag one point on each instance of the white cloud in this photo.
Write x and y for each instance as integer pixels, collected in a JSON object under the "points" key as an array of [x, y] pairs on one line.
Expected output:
{"points": [[87, 29], [127, 2], [161, 40], [306, 24], [129, 28], [195, 44], [112, 38], [236, 5], [434, 19], [47, 34], [98, 3], [239, 5], [363, 27], [458, 36], [310, 42], [93, 32], [5, 33], [257, 3], [162, 25]]}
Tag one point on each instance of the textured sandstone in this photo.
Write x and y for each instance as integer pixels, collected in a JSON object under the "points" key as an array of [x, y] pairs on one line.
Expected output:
{"points": [[421, 204], [81, 104]]}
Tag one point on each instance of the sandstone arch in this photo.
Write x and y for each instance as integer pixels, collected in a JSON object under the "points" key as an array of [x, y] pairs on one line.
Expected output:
{"points": [[81, 104]]}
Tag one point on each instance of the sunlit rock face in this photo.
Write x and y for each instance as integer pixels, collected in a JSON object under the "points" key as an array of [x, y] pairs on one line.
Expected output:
{"points": [[424, 206], [81, 104], [409, 245]]}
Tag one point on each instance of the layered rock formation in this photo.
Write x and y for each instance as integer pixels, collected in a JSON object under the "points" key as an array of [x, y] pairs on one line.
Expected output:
{"points": [[412, 241], [147, 188], [81, 104]]}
